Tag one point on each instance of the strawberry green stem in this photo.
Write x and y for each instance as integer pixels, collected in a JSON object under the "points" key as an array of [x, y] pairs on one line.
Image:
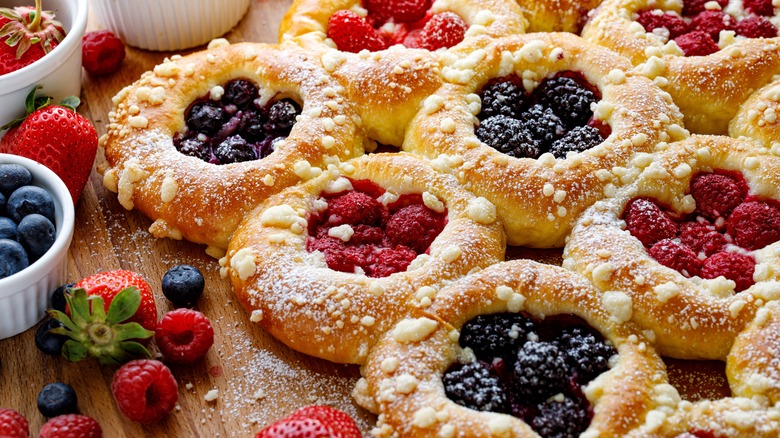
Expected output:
{"points": [[35, 26]]}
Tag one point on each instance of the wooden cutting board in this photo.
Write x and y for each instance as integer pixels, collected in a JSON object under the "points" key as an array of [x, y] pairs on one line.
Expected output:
{"points": [[258, 379]]}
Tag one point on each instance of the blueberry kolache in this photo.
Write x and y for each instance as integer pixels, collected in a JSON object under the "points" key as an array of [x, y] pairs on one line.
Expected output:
{"points": [[328, 265], [199, 141], [542, 125]]}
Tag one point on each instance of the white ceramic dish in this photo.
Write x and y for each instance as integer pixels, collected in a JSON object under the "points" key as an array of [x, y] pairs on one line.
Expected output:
{"points": [[170, 24], [25, 295], [59, 72]]}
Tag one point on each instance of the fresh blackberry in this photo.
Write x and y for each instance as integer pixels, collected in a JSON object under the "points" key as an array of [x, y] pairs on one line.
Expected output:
{"points": [[492, 336], [205, 118], [568, 99], [252, 125], [509, 136], [473, 386], [540, 370], [579, 139], [505, 97], [240, 92], [543, 125], [195, 148], [586, 352], [281, 117], [234, 150], [566, 419]]}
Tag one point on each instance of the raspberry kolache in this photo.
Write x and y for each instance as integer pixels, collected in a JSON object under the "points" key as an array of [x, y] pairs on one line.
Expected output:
{"points": [[694, 243], [201, 140], [329, 265], [542, 125], [519, 349], [758, 118], [709, 55]]}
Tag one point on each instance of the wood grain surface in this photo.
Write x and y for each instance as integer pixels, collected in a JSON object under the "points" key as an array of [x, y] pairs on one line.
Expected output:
{"points": [[258, 379]]}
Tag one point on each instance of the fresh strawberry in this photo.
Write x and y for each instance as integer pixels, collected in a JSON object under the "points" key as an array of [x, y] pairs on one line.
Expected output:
{"points": [[184, 335], [313, 421], [400, 11], [95, 332], [27, 35], [13, 424], [352, 33], [444, 30], [109, 283], [145, 390], [71, 425], [57, 137]]}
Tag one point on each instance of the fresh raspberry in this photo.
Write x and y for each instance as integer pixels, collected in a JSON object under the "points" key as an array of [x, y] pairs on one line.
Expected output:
{"points": [[184, 335], [101, 52], [415, 226], [109, 283], [759, 7], [734, 266], [716, 194], [71, 425], [677, 256], [400, 11], [756, 27], [368, 187], [13, 424], [366, 235], [145, 390], [388, 261], [354, 208], [652, 20], [313, 421], [647, 222], [338, 255], [755, 224], [443, 30], [696, 7], [702, 238], [352, 33], [697, 43], [713, 22], [412, 39]]}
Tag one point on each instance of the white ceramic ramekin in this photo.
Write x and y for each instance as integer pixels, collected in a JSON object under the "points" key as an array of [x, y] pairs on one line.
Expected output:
{"points": [[59, 72], [25, 295], [169, 24]]}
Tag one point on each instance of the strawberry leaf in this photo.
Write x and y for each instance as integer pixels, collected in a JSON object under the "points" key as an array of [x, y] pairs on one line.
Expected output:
{"points": [[65, 320], [70, 102], [10, 14], [29, 101], [74, 351], [98, 308], [124, 305], [132, 330], [135, 349], [78, 304]]}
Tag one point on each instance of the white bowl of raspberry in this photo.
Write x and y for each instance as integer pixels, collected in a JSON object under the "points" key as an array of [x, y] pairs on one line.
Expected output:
{"points": [[171, 24], [33, 253], [58, 72]]}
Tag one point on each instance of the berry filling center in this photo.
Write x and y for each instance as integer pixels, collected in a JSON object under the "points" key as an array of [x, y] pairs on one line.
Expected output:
{"points": [[698, 31], [531, 369], [232, 124], [556, 117], [718, 238], [387, 23], [366, 230]]}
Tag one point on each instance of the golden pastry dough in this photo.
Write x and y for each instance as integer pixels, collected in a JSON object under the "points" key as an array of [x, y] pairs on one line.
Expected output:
{"points": [[759, 118], [691, 318], [538, 200], [708, 89], [335, 315], [556, 15], [620, 397], [202, 202]]}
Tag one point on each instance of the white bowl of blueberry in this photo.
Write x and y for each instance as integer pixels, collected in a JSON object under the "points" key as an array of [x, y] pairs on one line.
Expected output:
{"points": [[36, 227]]}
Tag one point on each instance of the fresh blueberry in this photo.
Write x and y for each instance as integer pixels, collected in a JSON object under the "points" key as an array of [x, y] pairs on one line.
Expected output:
{"points": [[7, 228], [28, 200], [58, 297], [49, 343], [235, 150], [13, 176], [281, 117], [57, 399], [13, 258], [240, 92], [36, 234], [3, 201], [183, 285], [205, 117]]}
